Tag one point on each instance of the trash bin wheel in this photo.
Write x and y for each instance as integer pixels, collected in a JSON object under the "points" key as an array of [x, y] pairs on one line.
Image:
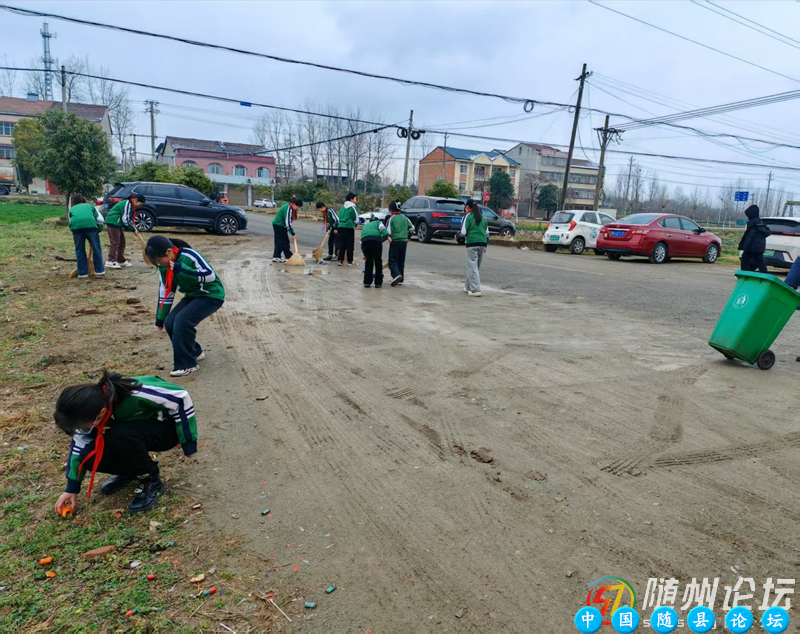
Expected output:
{"points": [[766, 360]]}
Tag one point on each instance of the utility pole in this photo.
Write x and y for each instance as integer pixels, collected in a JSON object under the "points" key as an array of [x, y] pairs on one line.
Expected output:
{"points": [[444, 153], [606, 135], [135, 156], [582, 79], [766, 203], [63, 88], [628, 186], [408, 147], [153, 112], [47, 61]]}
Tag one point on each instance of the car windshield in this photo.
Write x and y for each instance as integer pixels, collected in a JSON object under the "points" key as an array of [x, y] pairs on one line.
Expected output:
{"points": [[562, 217], [639, 219], [449, 205]]}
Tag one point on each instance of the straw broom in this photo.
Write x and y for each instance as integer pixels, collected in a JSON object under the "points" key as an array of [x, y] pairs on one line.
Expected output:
{"points": [[317, 253], [74, 272], [144, 249], [296, 259]]}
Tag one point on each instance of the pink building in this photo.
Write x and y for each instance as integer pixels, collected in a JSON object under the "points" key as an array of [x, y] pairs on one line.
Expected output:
{"points": [[225, 163]]}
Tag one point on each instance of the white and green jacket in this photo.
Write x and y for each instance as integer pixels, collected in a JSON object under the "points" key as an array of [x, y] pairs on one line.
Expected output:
{"points": [[155, 399], [192, 276]]}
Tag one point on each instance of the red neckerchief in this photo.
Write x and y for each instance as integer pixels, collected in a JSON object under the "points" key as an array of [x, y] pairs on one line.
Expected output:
{"points": [[97, 452], [133, 211], [168, 284]]}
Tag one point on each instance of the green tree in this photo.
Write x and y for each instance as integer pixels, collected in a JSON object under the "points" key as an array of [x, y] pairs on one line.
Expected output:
{"points": [[193, 177], [399, 192], [28, 137], [325, 196], [262, 191], [304, 191], [501, 191], [547, 200], [443, 189], [75, 155], [149, 172]]}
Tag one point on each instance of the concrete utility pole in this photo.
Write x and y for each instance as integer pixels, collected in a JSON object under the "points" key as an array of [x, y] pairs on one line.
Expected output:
{"points": [[153, 112], [606, 134], [408, 147], [135, 156], [628, 186], [766, 202], [444, 154], [63, 88], [582, 79]]}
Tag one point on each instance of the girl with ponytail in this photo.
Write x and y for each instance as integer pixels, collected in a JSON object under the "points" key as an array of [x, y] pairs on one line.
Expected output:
{"points": [[183, 269], [115, 424]]}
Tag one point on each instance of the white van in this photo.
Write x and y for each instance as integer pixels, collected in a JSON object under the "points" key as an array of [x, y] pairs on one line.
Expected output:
{"points": [[575, 230], [783, 246]]}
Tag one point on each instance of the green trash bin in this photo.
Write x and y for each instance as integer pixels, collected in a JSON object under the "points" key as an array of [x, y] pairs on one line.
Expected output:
{"points": [[757, 310]]}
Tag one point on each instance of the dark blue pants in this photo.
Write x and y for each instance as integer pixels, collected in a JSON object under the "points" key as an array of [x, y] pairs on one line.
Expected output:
{"points": [[282, 244], [181, 326], [80, 236], [793, 276]]}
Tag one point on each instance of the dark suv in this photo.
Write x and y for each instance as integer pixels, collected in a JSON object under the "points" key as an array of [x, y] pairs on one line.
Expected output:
{"points": [[170, 205], [434, 217], [497, 226]]}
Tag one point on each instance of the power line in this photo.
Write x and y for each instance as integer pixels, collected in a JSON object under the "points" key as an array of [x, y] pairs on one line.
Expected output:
{"points": [[766, 28], [744, 24], [688, 39]]}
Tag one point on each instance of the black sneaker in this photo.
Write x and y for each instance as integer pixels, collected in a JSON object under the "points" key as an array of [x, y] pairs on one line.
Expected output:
{"points": [[368, 286], [397, 280], [145, 500], [115, 483], [378, 285]]}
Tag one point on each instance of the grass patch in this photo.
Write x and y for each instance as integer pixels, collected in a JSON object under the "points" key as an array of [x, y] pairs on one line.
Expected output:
{"points": [[13, 213]]}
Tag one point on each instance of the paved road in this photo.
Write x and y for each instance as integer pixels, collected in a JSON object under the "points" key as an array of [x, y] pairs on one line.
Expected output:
{"points": [[685, 293]]}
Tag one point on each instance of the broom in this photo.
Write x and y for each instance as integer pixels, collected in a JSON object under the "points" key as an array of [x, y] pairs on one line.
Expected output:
{"points": [[144, 250], [317, 253], [74, 272], [296, 259]]}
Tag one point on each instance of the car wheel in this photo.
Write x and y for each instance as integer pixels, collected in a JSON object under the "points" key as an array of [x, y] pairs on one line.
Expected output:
{"points": [[599, 252], [550, 248], [712, 253], [227, 225], [577, 246], [659, 254], [613, 256], [507, 232], [145, 221], [423, 232]]}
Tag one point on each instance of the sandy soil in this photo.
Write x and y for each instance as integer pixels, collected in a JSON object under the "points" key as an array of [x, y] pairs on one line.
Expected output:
{"points": [[364, 420]]}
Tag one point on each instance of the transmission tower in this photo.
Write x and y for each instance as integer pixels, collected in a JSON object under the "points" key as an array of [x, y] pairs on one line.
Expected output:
{"points": [[47, 61]]}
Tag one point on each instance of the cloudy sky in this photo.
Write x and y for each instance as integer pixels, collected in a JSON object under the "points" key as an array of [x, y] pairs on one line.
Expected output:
{"points": [[528, 49]]}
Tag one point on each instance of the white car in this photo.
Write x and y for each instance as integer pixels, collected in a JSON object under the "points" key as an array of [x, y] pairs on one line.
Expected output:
{"points": [[575, 230], [266, 203], [382, 215], [783, 246]]}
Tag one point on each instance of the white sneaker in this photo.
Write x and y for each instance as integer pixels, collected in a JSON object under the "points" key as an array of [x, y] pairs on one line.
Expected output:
{"points": [[276, 259], [185, 372], [201, 356], [112, 265], [83, 277], [126, 263], [475, 294]]}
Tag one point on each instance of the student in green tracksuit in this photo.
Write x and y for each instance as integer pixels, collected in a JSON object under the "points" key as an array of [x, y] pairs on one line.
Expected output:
{"points": [[182, 268], [475, 228], [399, 227], [348, 219], [282, 228], [85, 223], [114, 425], [118, 220], [373, 235], [331, 219]]}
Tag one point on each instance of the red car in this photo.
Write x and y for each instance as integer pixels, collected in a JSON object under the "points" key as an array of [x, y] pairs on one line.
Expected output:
{"points": [[659, 237]]}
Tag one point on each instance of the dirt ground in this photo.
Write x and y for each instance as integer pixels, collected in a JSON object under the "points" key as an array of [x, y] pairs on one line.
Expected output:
{"points": [[430, 453]]}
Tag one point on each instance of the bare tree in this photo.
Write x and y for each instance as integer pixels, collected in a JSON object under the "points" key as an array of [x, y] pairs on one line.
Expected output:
{"points": [[8, 80], [637, 186], [311, 128], [100, 90], [34, 80], [75, 84], [273, 131]]}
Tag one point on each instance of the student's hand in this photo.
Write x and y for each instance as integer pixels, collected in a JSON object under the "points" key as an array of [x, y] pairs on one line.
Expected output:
{"points": [[172, 265], [389, 240], [160, 328], [65, 499], [335, 231]]}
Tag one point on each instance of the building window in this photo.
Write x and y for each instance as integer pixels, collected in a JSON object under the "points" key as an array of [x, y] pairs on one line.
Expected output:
{"points": [[214, 168], [520, 150], [188, 164], [263, 172], [462, 187], [7, 152], [496, 170], [6, 128], [463, 169], [239, 170], [512, 173], [480, 172]]}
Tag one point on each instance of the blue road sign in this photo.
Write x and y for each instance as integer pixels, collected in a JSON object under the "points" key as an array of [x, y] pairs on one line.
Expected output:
{"points": [[741, 197]]}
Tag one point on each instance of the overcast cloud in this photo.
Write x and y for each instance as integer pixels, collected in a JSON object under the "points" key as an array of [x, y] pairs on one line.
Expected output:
{"points": [[527, 49]]}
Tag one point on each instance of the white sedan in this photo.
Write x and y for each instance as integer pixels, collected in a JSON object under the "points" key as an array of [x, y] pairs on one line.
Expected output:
{"points": [[575, 230], [266, 203], [381, 214]]}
